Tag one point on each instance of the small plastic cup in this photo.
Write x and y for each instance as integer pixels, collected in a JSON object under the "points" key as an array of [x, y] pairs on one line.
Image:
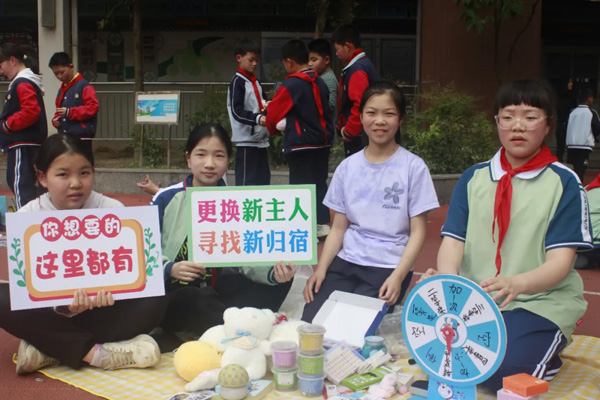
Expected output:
{"points": [[286, 379], [311, 385], [311, 338], [284, 353], [312, 364]]}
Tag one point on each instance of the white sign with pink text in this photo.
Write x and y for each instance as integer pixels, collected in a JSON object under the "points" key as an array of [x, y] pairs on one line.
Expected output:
{"points": [[52, 254]]}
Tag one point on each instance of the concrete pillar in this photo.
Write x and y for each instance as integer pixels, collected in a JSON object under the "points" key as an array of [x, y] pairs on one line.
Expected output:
{"points": [[51, 40]]}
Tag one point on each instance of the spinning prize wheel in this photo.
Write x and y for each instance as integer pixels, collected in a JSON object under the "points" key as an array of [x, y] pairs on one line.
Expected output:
{"points": [[456, 334]]}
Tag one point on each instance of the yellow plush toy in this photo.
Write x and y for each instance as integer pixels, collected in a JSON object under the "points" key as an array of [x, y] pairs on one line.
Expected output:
{"points": [[193, 358]]}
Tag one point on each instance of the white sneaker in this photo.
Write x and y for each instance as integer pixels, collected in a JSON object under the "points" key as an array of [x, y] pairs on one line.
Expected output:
{"points": [[30, 359], [140, 352], [323, 231]]}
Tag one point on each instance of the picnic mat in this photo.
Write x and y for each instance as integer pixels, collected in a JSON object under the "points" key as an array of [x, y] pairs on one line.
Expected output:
{"points": [[579, 378]]}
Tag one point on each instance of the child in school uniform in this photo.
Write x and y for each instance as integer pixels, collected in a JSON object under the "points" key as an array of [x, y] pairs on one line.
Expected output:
{"points": [[23, 119], [513, 225], [302, 103], [98, 331], [358, 73], [246, 103], [381, 197], [76, 102], [319, 60]]}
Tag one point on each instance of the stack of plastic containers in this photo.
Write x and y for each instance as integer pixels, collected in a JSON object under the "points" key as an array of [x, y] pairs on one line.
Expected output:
{"points": [[285, 369], [311, 356]]}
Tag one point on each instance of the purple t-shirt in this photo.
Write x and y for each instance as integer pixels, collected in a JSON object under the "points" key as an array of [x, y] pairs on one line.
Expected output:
{"points": [[378, 201]]}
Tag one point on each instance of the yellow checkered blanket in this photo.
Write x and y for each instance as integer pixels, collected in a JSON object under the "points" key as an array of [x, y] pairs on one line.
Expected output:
{"points": [[579, 378]]}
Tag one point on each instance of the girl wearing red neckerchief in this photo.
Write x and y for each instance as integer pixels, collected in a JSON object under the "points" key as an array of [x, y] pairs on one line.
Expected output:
{"points": [[514, 224]]}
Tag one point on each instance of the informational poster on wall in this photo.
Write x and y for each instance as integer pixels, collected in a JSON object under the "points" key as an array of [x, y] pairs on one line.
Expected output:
{"points": [[52, 254], [252, 225], [157, 107]]}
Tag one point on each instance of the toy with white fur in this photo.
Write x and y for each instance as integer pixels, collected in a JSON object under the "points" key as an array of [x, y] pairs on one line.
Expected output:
{"points": [[386, 388], [243, 339]]}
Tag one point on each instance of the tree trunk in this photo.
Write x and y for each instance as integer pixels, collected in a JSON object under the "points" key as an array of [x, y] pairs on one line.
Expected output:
{"points": [[347, 11], [321, 21], [138, 66], [137, 46]]}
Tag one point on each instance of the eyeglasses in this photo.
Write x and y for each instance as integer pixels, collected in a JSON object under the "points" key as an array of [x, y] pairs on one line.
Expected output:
{"points": [[530, 122]]}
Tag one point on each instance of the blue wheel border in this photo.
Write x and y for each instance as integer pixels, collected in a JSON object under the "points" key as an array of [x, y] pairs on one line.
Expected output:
{"points": [[500, 320]]}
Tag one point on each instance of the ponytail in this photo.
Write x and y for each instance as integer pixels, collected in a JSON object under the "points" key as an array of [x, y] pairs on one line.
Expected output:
{"points": [[23, 53]]}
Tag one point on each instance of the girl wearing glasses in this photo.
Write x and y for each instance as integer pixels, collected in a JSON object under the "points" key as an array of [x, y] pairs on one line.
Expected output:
{"points": [[513, 225]]}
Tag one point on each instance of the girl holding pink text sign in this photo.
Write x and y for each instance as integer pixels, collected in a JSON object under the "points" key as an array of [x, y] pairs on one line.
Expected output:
{"points": [[92, 330]]}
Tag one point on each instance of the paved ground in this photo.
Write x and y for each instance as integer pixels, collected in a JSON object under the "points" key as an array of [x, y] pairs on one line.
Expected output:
{"points": [[37, 386]]}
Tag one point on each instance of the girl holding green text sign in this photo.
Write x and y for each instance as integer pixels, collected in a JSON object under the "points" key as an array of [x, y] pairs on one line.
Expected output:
{"points": [[197, 295]]}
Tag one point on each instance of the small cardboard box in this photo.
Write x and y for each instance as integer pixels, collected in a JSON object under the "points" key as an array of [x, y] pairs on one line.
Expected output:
{"points": [[7, 204], [504, 394], [350, 317], [525, 385]]}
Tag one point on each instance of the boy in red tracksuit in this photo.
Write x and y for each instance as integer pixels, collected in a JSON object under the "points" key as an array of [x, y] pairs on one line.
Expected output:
{"points": [[76, 101], [358, 74], [302, 102]]}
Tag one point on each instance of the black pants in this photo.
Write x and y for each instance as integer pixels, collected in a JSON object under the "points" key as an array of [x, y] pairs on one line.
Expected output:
{"points": [[252, 166], [561, 139], [70, 339], [194, 309], [356, 145], [20, 173], [579, 158], [352, 278], [312, 167]]}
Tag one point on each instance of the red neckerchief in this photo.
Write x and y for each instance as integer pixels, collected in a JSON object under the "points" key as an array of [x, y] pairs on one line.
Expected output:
{"points": [[252, 78], [66, 86], [504, 192], [311, 77], [593, 184], [341, 84]]}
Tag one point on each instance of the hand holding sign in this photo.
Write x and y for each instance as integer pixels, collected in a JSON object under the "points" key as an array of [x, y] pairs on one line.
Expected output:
{"points": [[187, 271]]}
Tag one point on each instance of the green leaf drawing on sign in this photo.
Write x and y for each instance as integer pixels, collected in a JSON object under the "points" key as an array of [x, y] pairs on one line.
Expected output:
{"points": [[16, 246]]}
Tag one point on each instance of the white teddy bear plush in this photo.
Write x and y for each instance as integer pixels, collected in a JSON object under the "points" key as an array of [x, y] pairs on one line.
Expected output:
{"points": [[243, 339]]}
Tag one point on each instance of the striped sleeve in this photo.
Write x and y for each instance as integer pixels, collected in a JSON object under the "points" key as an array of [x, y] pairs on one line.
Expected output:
{"points": [[457, 217]]}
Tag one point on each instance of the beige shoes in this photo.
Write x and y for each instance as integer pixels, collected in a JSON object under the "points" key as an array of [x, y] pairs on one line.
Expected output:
{"points": [[30, 359], [140, 352]]}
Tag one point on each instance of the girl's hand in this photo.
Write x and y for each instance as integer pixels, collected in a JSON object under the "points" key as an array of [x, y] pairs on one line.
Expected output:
{"points": [[187, 271], [103, 299], [428, 274], [81, 302], [283, 272], [390, 290], [506, 288], [313, 284]]}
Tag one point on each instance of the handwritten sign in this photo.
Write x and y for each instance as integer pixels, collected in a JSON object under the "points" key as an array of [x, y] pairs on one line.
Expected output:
{"points": [[54, 253], [252, 225]]}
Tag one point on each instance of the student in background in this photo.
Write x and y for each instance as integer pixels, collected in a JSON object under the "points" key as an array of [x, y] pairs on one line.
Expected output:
{"points": [[319, 60], [246, 104], [301, 102], [76, 101], [96, 331], [357, 75], [583, 129], [23, 119]]}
